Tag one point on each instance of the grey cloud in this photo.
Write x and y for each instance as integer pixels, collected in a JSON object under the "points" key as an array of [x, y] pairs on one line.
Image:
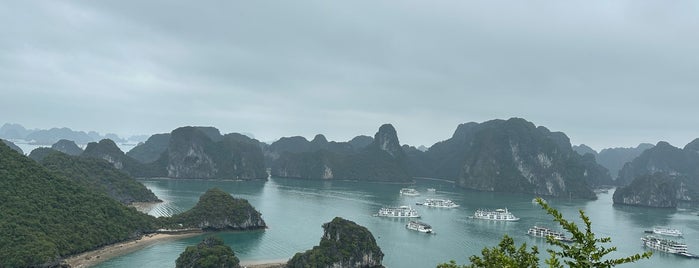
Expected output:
{"points": [[608, 73]]}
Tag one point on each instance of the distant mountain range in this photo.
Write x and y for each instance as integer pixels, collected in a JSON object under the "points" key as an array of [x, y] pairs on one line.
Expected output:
{"points": [[511, 155], [53, 135], [613, 158]]}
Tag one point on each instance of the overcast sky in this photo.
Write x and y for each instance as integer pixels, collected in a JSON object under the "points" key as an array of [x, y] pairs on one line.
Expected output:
{"points": [[607, 73]]}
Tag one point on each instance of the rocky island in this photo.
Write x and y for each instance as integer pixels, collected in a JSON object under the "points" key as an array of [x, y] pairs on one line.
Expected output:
{"points": [[344, 244], [218, 210], [211, 252]]}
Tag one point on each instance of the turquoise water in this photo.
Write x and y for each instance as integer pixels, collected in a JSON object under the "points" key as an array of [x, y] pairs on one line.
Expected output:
{"points": [[296, 209]]}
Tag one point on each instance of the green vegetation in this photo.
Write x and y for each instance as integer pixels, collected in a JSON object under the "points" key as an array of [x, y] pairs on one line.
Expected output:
{"points": [[585, 251], [344, 244], [209, 253], [98, 175], [218, 210], [46, 216], [381, 160]]}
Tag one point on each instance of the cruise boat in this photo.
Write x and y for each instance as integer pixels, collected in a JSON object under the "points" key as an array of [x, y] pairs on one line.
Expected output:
{"points": [[438, 203], [539, 231], [419, 226], [495, 215], [398, 212], [409, 192], [665, 245], [432, 190], [665, 231]]}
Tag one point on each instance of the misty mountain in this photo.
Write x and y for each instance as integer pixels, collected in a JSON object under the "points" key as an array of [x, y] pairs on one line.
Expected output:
{"points": [[67, 147], [660, 176], [381, 160], [511, 156], [614, 158]]}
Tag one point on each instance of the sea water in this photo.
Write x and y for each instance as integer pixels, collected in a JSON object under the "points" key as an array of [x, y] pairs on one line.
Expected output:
{"points": [[295, 209]]}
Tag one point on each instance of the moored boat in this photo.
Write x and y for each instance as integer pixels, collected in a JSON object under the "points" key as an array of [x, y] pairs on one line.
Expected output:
{"points": [[540, 231], [398, 212], [665, 231], [419, 226], [438, 203], [494, 215], [431, 190], [409, 192], [665, 245]]}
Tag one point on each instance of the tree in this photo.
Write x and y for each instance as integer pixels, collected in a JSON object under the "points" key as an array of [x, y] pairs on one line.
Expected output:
{"points": [[584, 251]]}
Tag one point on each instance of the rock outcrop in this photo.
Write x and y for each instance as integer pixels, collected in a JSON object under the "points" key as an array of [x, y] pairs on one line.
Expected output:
{"points": [[614, 158], [202, 153], [210, 252], [12, 146], [108, 151], [660, 177], [218, 210], [657, 190], [150, 150], [67, 147], [513, 156], [382, 160], [344, 244]]}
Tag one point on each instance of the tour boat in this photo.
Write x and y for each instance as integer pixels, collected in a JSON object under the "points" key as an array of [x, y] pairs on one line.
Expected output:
{"points": [[398, 212], [409, 192], [665, 231], [431, 190], [665, 245], [438, 203], [539, 231], [494, 215], [419, 226]]}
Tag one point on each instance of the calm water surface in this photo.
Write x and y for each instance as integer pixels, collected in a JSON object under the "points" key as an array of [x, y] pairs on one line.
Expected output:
{"points": [[296, 209]]}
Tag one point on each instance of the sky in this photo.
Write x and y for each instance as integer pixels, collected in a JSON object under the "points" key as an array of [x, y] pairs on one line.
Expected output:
{"points": [[606, 73]]}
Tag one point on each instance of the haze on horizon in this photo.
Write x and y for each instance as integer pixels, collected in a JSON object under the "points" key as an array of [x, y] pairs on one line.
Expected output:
{"points": [[607, 73]]}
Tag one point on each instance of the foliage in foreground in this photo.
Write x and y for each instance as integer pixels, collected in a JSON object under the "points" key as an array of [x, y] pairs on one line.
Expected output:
{"points": [[585, 251]]}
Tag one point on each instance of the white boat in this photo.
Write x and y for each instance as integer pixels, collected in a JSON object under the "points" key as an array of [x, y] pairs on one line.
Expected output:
{"points": [[398, 212], [431, 190], [438, 203], [539, 231], [494, 215], [409, 192], [419, 226], [665, 245], [665, 231]]}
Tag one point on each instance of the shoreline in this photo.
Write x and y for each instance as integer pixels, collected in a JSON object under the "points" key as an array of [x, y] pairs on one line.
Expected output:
{"points": [[96, 256], [281, 263]]}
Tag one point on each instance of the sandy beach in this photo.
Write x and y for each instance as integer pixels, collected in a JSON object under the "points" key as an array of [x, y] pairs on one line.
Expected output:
{"points": [[91, 258], [264, 264]]}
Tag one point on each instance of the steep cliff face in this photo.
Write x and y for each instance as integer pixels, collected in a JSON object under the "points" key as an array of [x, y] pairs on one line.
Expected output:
{"points": [[515, 156], [193, 153], [108, 151], [344, 244], [67, 147], [382, 160], [663, 158], [658, 174], [657, 190], [150, 150], [218, 210]]}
